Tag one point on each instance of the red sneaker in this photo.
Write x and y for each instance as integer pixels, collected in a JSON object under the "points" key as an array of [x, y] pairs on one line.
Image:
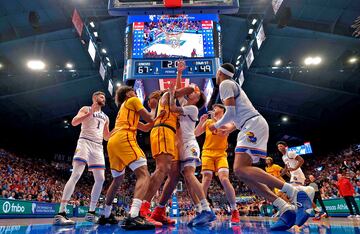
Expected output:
{"points": [[146, 213], [160, 215], [145, 209], [235, 216]]}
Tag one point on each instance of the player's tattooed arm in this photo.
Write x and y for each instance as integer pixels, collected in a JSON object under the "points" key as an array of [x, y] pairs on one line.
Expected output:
{"points": [[83, 113], [173, 106], [180, 68]]}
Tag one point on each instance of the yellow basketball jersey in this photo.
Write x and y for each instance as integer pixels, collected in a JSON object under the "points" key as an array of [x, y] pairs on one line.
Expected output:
{"points": [[170, 118], [128, 116], [274, 170], [213, 141]]}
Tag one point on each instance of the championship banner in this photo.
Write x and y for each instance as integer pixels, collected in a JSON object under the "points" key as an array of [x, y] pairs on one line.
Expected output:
{"points": [[25, 209]]}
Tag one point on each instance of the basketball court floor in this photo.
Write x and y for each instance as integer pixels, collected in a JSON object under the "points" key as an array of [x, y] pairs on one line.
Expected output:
{"points": [[248, 225]]}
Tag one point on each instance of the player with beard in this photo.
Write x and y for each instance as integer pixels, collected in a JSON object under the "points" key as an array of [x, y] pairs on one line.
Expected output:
{"points": [[89, 151]]}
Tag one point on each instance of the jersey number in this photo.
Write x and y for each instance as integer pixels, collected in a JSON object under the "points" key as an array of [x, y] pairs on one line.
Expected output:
{"points": [[98, 127]]}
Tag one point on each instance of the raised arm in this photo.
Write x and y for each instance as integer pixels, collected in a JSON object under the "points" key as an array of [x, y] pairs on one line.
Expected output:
{"points": [[201, 127], [83, 113], [180, 68]]}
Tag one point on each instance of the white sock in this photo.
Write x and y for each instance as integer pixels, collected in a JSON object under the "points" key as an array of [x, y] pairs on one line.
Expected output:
{"points": [[135, 208], [99, 178], [205, 205], [107, 211], [198, 208], [69, 188], [289, 190], [281, 205]]}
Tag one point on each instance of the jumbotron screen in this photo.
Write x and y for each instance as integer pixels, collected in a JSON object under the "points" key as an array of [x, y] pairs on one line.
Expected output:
{"points": [[193, 35], [302, 149]]}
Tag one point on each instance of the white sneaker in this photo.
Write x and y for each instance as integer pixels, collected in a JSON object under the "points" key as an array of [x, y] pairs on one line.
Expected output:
{"points": [[62, 220], [351, 216], [91, 217]]}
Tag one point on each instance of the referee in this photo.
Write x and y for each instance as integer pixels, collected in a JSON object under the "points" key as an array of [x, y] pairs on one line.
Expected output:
{"points": [[317, 197]]}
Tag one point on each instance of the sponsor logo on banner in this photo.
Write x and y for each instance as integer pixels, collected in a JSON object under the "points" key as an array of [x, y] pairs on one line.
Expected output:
{"points": [[12, 208]]}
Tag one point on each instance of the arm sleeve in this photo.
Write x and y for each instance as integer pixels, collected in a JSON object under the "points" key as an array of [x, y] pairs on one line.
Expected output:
{"points": [[228, 117], [135, 104]]}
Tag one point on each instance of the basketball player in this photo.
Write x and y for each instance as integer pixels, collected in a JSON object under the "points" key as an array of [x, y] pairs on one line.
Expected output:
{"points": [[189, 149], [214, 157], [251, 146], [164, 150], [89, 151], [124, 152], [292, 163]]}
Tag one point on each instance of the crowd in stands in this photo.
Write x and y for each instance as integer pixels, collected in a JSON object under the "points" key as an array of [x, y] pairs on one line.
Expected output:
{"points": [[42, 180]]}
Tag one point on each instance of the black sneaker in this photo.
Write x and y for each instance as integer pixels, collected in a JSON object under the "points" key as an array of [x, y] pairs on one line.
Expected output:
{"points": [[137, 223], [110, 220]]}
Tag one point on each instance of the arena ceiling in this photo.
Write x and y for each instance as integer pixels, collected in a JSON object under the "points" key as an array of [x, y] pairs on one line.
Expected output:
{"points": [[320, 103]]}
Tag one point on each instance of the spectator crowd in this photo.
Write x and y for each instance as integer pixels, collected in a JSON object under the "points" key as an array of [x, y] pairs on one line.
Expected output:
{"points": [[38, 179]]}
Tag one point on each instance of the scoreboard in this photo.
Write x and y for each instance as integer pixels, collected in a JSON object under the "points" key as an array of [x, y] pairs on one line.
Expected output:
{"points": [[148, 56], [167, 68]]}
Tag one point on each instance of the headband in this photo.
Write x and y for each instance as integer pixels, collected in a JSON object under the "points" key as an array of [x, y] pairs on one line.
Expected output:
{"points": [[226, 72]]}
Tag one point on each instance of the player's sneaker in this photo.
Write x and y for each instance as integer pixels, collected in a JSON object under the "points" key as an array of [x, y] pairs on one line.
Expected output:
{"points": [[159, 215], [110, 220], [145, 209], [285, 221], [61, 219], [304, 207], [204, 218], [317, 217], [235, 217], [136, 223], [91, 217]]}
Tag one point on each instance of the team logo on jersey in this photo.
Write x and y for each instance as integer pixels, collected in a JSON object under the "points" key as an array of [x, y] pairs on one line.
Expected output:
{"points": [[77, 151], [194, 152], [251, 137]]}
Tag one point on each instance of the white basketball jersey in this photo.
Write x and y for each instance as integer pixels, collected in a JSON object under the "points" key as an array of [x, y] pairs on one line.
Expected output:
{"points": [[290, 161], [187, 122], [92, 128], [244, 108]]}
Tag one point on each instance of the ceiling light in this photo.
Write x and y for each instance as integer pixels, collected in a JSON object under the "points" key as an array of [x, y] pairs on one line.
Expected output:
{"points": [[238, 58], [308, 61], [69, 65], [237, 62], [254, 21], [285, 119], [103, 51], [109, 64], [312, 60], [242, 49], [1, 66], [278, 62], [317, 60], [118, 84], [251, 31], [107, 58], [96, 34], [92, 24], [351, 60], [65, 121], [36, 65]]}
